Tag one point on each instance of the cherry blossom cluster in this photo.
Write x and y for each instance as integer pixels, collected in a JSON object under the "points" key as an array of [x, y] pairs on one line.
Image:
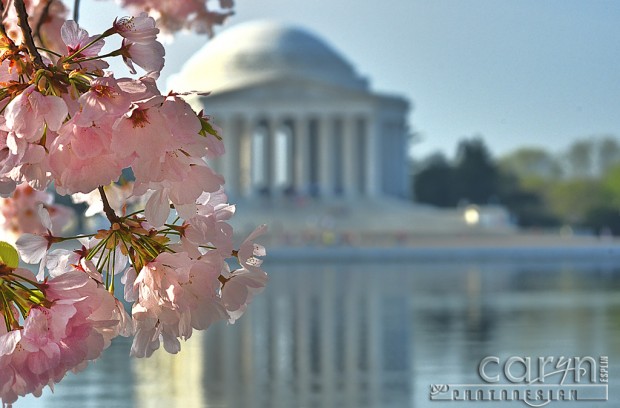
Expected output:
{"points": [[19, 213], [66, 122], [70, 320], [47, 16], [174, 15], [44, 16]]}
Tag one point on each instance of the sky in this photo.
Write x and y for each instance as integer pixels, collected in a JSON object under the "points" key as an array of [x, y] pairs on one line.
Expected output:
{"points": [[518, 73]]}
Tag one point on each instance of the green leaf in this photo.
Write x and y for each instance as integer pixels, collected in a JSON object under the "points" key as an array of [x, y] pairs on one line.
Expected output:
{"points": [[207, 129], [8, 255]]}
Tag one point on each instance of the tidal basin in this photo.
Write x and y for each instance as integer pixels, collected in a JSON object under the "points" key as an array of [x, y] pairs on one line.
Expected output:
{"points": [[354, 332]]}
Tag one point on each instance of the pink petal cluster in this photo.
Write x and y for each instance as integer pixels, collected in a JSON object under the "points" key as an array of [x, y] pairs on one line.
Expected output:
{"points": [[46, 17], [174, 295], [76, 328], [19, 213], [65, 121], [55, 13], [140, 45], [242, 285], [191, 288], [196, 15], [177, 293], [83, 141]]}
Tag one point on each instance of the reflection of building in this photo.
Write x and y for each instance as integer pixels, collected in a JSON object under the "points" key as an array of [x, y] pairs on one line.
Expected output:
{"points": [[171, 380], [297, 117], [310, 149]]}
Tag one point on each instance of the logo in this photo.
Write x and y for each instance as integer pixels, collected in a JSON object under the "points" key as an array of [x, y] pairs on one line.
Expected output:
{"points": [[535, 381]]}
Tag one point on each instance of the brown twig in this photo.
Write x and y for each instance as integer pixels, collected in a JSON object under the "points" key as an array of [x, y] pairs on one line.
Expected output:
{"points": [[109, 211], [22, 21], [5, 12], [44, 14], [76, 10], [2, 28]]}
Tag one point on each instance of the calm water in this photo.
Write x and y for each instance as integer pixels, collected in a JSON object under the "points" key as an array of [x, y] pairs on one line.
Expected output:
{"points": [[368, 335]]}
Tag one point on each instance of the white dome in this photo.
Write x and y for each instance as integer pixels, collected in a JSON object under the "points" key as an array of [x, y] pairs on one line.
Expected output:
{"points": [[255, 52]]}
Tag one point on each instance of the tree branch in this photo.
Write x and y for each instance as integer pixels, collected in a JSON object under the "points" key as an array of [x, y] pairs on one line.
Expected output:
{"points": [[2, 28], [76, 10], [109, 211], [5, 11], [44, 14], [22, 17]]}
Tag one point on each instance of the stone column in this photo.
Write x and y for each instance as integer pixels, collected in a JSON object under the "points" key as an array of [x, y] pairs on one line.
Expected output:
{"points": [[301, 155], [289, 177], [231, 168], [273, 125], [246, 159], [350, 157], [265, 126], [373, 157], [326, 167], [361, 129]]}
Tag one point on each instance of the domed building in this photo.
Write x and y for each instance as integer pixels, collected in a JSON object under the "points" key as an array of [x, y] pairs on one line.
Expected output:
{"points": [[297, 118], [311, 150]]}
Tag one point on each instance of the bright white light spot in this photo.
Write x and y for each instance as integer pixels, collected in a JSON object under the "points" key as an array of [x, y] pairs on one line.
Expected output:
{"points": [[472, 215]]}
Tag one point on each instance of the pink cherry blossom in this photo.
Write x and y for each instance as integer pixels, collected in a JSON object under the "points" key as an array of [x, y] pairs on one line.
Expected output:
{"points": [[30, 161], [81, 158], [30, 112], [149, 57], [142, 131], [140, 45], [173, 16], [162, 310], [56, 13], [239, 290], [66, 122], [76, 38], [33, 247], [202, 290], [104, 97], [208, 226], [174, 294], [75, 329], [138, 29], [19, 213], [184, 181], [243, 284], [250, 250]]}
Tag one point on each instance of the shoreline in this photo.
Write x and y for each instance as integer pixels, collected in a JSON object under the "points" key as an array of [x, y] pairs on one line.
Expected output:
{"points": [[462, 248]]}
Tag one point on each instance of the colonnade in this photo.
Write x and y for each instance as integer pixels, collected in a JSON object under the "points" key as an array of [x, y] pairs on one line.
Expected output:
{"points": [[316, 155]]}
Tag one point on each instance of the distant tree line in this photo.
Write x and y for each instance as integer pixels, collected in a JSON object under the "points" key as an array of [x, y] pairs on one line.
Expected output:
{"points": [[578, 187]]}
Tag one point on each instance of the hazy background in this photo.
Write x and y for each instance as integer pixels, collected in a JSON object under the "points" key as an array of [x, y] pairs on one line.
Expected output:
{"points": [[516, 72], [377, 330]]}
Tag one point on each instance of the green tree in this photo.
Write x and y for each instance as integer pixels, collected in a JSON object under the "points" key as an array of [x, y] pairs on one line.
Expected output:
{"points": [[579, 159], [434, 183], [531, 163], [477, 176], [608, 154], [528, 206], [572, 199]]}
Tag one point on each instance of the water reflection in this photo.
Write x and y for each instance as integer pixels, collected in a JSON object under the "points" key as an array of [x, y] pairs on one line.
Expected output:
{"points": [[366, 335]]}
